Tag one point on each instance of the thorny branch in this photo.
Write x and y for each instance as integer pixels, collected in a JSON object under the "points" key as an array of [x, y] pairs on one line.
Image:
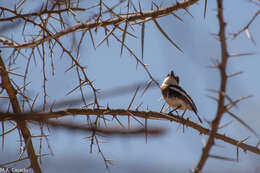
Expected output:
{"points": [[223, 84], [21, 125], [43, 117], [113, 21], [42, 12]]}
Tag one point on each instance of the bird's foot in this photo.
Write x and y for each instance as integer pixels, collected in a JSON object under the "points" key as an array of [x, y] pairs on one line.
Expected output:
{"points": [[182, 115], [175, 110]]}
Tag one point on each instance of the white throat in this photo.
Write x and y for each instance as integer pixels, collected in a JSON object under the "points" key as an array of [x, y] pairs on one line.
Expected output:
{"points": [[169, 81]]}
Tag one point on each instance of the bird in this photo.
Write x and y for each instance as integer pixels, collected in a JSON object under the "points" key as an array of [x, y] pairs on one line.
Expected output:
{"points": [[177, 97]]}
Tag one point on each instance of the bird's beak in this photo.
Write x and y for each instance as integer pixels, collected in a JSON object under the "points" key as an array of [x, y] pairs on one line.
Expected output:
{"points": [[171, 74]]}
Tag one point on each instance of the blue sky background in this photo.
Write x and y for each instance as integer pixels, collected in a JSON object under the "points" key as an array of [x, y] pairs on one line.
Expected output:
{"points": [[175, 151]]}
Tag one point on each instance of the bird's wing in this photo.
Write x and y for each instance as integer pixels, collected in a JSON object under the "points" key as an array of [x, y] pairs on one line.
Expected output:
{"points": [[177, 91]]}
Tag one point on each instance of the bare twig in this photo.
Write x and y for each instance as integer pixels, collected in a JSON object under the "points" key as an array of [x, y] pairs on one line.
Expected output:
{"points": [[245, 28]]}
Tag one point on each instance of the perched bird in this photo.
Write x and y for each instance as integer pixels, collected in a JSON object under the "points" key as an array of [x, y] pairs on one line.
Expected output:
{"points": [[175, 96]]}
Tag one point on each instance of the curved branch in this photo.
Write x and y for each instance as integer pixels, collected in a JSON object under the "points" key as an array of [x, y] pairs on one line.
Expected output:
{"points": [[122, 112]]}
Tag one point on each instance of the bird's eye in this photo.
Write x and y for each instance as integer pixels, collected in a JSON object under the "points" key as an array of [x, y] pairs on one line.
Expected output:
{"points": [[168, 75]]}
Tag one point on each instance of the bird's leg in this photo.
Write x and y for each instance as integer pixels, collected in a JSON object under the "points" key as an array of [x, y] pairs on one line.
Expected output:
{"points": [[170, 113], [183, 113]]}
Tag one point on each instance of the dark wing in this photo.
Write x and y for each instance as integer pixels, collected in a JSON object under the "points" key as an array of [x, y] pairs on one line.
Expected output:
{"points": [[177, 91]]}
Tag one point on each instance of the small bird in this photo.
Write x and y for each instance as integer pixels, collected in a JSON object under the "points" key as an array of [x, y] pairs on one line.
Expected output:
{"points": [[175, 96]]}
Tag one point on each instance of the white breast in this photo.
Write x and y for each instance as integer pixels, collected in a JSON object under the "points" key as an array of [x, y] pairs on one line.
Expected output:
{"points": [[174, 102]]}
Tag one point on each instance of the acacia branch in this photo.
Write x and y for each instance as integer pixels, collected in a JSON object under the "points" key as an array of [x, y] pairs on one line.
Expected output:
{"points": [[113, 21], [21, 125], [35, 14], [223, 84], [122, 112]]}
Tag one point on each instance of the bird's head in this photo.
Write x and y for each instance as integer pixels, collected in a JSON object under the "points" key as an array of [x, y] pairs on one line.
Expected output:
{"points": [[171, 79]]}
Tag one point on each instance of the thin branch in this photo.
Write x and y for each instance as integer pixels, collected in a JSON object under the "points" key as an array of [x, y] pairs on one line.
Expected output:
{"points": [[205, 8], [243, 123], [245, 28], [223, 158], [35, 14], [21, 159], [165, 35]]}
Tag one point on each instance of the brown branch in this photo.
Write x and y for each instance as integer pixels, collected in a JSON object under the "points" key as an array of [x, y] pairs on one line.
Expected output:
{"points": [[35, 14], [223, 84], [247, 25], [111, 131], [113, 21], [121, 112], [22, 125]]}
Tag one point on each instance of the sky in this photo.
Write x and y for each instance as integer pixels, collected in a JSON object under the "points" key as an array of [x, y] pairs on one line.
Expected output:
{"points": [[176, 151]]}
